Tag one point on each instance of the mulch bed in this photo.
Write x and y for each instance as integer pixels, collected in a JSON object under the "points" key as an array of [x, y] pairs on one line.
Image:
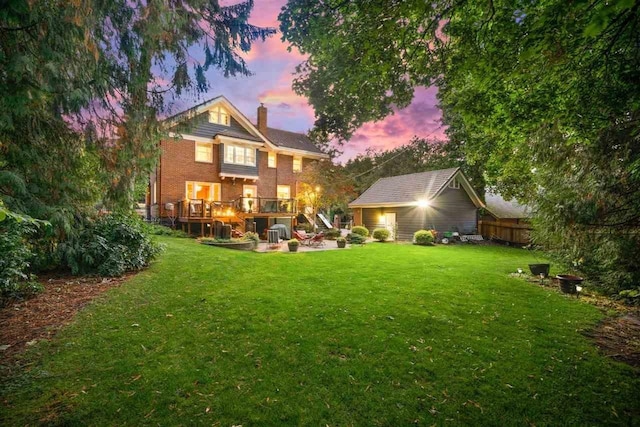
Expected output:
{"points": [[39, 318]]}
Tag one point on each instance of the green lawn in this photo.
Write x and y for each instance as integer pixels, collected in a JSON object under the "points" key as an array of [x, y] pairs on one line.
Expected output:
{"points": [[382, 334]]}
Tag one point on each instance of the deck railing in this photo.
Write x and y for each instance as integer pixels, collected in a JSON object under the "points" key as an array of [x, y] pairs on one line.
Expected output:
{"points": [[201, 208]]}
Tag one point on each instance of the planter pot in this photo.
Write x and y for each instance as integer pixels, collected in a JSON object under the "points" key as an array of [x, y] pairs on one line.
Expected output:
{"points": [[568, 283], [293, 248], [538, 269], [342, 244]]}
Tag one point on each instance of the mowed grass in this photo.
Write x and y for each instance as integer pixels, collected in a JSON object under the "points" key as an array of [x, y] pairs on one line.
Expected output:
{"points": [[377, 335]]}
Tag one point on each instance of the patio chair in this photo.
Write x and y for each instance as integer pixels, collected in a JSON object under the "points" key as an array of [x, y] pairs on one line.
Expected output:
{"points": [[317, 240], [301, 236]]}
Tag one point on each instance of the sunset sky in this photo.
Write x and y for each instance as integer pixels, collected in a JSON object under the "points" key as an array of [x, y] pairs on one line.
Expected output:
{"points": [[273, 67]]}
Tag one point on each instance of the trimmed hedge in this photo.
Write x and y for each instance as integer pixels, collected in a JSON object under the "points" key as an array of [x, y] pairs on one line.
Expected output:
{"points": [[381, 234], [423, 237], [360, 230]]}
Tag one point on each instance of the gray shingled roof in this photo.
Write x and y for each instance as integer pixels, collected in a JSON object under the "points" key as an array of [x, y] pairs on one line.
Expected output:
{"points": [[297, 141], [405, 189], [200, 126], [502, 208]]}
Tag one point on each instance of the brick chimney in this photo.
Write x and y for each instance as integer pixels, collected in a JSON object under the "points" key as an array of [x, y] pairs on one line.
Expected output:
{"points": [[262, 119]]}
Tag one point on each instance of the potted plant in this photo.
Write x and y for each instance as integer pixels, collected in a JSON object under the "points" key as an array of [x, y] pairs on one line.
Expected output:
{"points": [[293, 245], [342, 242]]}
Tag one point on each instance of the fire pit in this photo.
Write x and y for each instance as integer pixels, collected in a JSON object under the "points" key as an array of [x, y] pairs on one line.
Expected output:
{"points": [[568, 283]]}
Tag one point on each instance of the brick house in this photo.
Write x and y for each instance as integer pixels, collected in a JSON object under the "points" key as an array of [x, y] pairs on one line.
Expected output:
{"points": [[218, 168]]}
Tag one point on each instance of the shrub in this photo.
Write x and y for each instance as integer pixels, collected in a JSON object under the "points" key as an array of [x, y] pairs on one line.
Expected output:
{"points": [[423, 237], [356, 239], [293, 242], [341, 239], [381, 234], [15, 279], [305, 226], [360, 230], [251, 236], [332, 234], [161, 230], [110, 246]]}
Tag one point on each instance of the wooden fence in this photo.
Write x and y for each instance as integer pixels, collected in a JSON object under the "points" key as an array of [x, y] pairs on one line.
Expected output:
{"points": [[507, 231]]}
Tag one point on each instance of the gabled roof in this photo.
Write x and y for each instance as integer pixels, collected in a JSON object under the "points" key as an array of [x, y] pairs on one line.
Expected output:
{"points": [[408, 190], [297, 141], [197, 123], [501, 208]]}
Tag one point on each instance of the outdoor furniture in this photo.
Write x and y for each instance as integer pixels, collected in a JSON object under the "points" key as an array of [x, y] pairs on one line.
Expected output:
{"points": [[317, 240], [273, 239], [301, 236]]}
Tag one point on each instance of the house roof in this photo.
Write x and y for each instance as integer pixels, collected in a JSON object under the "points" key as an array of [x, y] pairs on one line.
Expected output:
{"points": [[408, 190], [197, 124], [501, 208], [297, 141], [200, 126]]}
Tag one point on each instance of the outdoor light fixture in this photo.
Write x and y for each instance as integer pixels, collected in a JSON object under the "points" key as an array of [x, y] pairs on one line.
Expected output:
{"points": [[423, 203]]}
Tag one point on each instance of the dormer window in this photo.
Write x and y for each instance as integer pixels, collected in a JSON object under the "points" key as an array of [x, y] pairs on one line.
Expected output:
{"points": [[219, 115], [455, 184]]}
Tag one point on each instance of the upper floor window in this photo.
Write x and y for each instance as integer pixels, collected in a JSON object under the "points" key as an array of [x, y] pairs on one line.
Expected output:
{"points": [[272, 161], [239, 155], [204, 152], [283, 191], [297, 164], [455, 184], [219, 115]]}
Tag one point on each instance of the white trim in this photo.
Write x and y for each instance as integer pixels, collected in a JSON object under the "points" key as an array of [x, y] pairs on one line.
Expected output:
{"points": [[212, 192], [221, 139], [188, 137], [293, 164], [233, 176], [271, 154]]}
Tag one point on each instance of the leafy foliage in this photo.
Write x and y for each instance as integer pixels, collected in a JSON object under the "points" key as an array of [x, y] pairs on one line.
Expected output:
{"points": [[423, 237], [251, 236], [540, 97], [356, 239], [381, 234], [110, 246], [15, 260], [360, 230], [332, 234]]}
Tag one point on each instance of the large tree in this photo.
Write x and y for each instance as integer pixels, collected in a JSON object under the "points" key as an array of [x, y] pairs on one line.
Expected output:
{"points": [[543, 95], [83, 85]]}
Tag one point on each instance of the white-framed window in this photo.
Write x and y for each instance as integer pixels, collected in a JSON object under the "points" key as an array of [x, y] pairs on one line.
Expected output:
{"points": [[272, 160], [204, 152], [219, 115], [283, 191], [239, 155], [455, 184], [202, 190], [297, 164]]}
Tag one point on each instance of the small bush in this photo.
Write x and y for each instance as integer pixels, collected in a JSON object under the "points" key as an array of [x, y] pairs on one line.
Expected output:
{"points": [[161, 230], [360, 230], [251, 236], [15, 279], [423, 237], [381, 234], [356, 239], [341, 239], [305, 226], [110, 246], [293, 242], [332, 234]]}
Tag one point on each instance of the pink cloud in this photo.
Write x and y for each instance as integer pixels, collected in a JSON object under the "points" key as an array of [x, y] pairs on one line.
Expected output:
{"points": [[273, 66]]}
